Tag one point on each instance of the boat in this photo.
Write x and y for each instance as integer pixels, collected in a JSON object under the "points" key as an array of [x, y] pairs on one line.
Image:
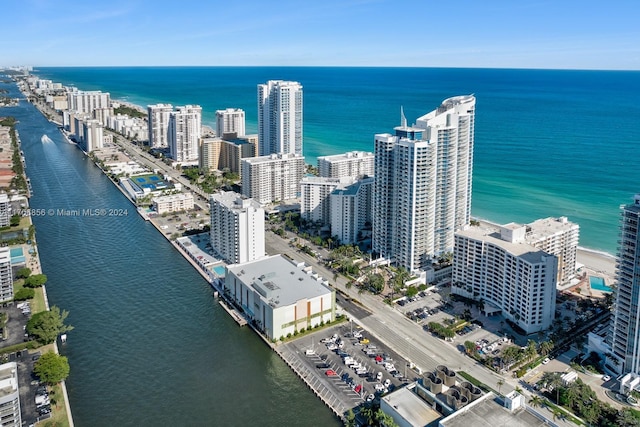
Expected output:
{"points": [[45, 139]]}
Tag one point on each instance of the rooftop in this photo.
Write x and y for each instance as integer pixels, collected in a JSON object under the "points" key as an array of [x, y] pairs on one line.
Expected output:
{"points": [[279, 281], [411, 408], [491, 234], [488, 411]]}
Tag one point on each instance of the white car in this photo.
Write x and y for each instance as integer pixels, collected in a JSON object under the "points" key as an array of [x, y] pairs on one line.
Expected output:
{"points": [[545, 361], [606, 378]]}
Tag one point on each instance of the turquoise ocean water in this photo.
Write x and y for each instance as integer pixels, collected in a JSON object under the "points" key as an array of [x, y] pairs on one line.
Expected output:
{"points": [[548, 142]]}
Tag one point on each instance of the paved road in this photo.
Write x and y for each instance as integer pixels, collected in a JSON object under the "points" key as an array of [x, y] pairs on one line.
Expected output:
{"points": [[391, 327]]}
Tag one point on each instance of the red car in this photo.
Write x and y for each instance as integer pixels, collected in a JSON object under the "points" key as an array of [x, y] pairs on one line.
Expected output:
{"points": [[358, 389], [330, 372]]}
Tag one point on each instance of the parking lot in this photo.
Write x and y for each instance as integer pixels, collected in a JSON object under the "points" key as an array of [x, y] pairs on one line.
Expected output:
{"points": [[433, 305], [348, 365], [33, 409]]}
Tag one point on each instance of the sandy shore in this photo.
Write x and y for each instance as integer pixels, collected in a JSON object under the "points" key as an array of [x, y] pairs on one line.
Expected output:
{"points": [[597, 261]]}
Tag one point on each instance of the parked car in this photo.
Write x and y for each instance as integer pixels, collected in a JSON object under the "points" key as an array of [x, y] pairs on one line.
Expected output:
{"points": [[545, 361], [606, 377], [330, 373], [323, 366]]}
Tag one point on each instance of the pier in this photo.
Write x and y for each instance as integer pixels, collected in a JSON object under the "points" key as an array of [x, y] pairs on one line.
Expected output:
{"points": [[235, 315]]}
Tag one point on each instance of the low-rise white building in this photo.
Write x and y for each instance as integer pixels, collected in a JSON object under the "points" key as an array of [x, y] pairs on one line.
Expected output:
{"points": [[173, 203], [280, 296], [498, 266]]}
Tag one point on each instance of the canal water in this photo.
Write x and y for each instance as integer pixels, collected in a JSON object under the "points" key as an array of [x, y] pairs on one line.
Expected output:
{"points": [[150, 346]]}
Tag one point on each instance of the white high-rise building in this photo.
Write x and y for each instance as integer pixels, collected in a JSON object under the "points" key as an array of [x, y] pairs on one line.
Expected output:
{"points": [[6, 276], [353, 164], [230, 121], [92, 135], [351, 211], [498, 266], [280, 118], [237, 228], [315, 200], [422, 190], [158, 122], [185, 128], [84, 102], [625, 327], [10, 395], [268, 179], [5, 210], [559, 237]]}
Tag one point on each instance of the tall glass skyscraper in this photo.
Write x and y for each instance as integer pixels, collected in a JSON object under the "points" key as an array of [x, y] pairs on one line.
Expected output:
{"points": [[422, 190], [280, 118], [625, 331]]}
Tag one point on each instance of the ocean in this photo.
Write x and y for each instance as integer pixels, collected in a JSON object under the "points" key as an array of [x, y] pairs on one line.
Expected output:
{"points": [[548, 142]]}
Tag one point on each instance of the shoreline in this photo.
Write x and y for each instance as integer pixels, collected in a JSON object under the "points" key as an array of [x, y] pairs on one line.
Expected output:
{"points": [[32, 261]]}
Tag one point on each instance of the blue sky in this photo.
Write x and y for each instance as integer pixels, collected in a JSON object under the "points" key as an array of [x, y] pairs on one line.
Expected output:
{"points": [[569, 34]]}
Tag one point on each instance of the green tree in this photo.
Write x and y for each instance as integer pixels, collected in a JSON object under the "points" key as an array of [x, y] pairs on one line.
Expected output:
{"points": [[23, 273], [500, 383], [15, 220], [350, 419], [412, 291], [24, 294], [545, 347], [530, 351], [35, 281], [535, 401], [470, 347], [47, 325], [51, 368]]}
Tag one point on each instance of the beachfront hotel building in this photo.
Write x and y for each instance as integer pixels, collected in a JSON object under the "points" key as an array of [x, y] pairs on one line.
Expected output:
{"points": [[559, 237], [158, 123], [237, 227], [230, 120], [273, 178], [353, 164], [498, 266], [280, 118], [6, 275], [625, 327], [351, 208], [84, 102], [185, 128], [280, 296], [10, 395], [173, 203], [422, 190]]}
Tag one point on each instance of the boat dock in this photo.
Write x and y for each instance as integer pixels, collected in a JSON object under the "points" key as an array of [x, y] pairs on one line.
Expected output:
{"points": [[235, 315]]}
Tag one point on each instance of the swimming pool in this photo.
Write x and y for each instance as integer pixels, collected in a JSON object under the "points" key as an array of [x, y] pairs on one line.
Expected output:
{"points": [[597, 283], [17, 256], [219, 270]]}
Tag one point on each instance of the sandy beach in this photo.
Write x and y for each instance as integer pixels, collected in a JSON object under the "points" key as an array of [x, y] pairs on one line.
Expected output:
{"points": [[597, 261]]}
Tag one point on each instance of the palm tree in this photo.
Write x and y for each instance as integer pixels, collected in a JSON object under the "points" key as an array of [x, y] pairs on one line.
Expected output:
{"points": [[500, 383], [546, 347], [530, 351], [535, 401]]}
